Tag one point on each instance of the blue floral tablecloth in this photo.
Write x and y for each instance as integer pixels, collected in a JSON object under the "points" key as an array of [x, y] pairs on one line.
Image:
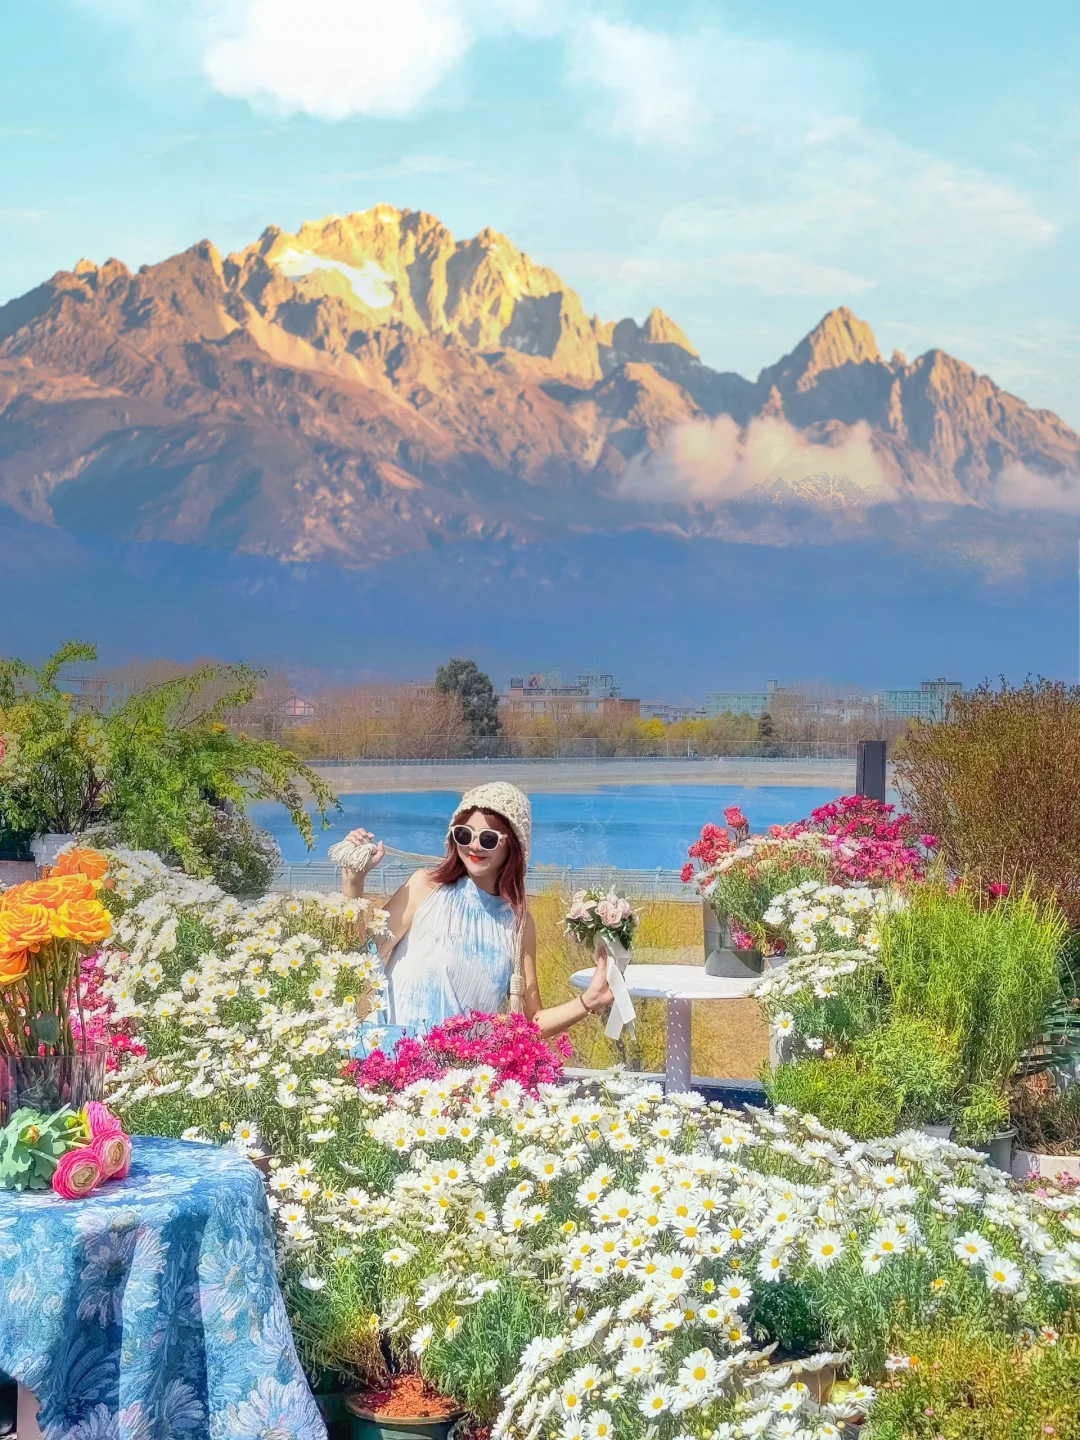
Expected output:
{"points": [[151, 1310]]}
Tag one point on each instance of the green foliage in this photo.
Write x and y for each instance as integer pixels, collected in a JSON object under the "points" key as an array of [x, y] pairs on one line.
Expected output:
{"points": [[970, 1383], [473, 1367], [998, 782], [31, 1145], [152, 772], [840, 1092], [744, 892], [984, 972], [785, 1312], [919, 1060], [479, 703], [983, 1113], [241, 858], [53, 769]]}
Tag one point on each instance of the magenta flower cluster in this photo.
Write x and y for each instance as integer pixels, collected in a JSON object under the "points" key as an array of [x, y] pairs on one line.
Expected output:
{"points": [[510, 1045], [872, 841]]}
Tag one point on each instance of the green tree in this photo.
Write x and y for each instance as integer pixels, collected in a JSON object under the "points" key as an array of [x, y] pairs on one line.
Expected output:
{"points": [[479, 703], [766, 734]]}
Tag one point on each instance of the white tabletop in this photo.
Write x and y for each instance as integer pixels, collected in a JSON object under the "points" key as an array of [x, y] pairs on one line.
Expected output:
{"points": [[675, 982]]}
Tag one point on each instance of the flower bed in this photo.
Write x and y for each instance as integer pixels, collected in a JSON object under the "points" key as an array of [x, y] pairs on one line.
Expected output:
{"points": [[561, 1261]]}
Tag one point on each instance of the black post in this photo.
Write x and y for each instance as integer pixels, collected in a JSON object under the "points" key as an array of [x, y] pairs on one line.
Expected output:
{"points": [[870, 769]]}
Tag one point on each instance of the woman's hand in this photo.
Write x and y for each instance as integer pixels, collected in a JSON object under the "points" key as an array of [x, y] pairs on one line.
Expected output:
{"points": [[597, 994], [352, 881], [365, 837]]}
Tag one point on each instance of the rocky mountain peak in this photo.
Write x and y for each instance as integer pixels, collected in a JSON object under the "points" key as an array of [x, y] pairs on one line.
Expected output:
{"points": [[660, 329], [839, 339]]}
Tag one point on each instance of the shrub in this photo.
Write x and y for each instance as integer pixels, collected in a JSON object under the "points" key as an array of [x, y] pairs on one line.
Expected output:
{"points": [[998, 783], [984, 972], [969, 1384], [241, 858], [920, 1060], [1047, 1119], [840, 1092]]}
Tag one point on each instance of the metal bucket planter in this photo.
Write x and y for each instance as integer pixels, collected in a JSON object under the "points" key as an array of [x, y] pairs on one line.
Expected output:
{"points": [[722, 960], [998, 1150]]}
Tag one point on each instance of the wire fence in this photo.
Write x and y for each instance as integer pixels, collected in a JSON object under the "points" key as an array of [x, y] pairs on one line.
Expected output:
{"points": [[387, 877], [507, 751]]}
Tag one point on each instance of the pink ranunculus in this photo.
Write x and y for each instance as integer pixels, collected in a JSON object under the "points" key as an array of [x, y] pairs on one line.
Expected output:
{"points": [[78, 1173], [113, 1151], [610, 913], [101, 1120]]}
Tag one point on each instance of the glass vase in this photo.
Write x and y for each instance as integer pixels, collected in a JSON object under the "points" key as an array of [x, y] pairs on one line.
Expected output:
{"points": [[49, 1082]]}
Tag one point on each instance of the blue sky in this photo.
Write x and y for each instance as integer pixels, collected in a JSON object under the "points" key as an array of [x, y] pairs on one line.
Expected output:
{"points": [[744, 166]]}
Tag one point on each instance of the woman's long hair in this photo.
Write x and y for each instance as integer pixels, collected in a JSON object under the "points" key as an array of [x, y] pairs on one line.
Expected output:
{"points": [[511, 881]]}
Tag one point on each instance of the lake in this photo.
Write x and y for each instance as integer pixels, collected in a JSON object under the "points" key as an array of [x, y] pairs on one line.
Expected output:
{"points": [[632, 827]]}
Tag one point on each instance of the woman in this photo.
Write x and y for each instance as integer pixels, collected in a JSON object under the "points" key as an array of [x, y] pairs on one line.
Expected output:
{"points": [[461, 936]]}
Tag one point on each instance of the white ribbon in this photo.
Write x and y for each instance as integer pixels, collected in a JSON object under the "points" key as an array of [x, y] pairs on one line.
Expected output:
{"points": [[616, 957]]}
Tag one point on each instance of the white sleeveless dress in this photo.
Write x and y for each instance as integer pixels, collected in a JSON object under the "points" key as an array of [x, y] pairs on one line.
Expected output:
{"points": [[456, 956]]}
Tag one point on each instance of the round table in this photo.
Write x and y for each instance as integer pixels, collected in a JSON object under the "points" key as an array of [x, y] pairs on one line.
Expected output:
{"points": [[680, 986], [151, 1308]]}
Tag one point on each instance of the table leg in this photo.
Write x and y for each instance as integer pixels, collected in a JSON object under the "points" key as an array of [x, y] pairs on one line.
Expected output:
{"points": [[26, 1415], [679, 1014]]}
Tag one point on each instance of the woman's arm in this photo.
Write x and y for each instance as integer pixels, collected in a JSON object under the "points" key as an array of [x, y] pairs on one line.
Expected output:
{"points": [[557, 1018], [402, 905], [401, 909]]}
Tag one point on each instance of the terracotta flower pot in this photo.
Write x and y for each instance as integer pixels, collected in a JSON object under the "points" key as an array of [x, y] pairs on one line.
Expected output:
{"points": [[405, 1410]]}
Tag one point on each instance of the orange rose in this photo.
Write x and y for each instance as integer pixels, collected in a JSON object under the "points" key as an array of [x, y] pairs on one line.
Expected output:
{"points": [[14, 962], [53, 892], [89, 863], [28, 926], [83, 920]]}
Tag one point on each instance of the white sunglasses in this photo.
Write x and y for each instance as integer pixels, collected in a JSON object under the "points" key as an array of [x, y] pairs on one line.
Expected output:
{"points": [[465, 835]]}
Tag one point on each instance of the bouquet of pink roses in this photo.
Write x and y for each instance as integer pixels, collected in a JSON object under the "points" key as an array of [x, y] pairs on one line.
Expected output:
{"points": [[594, 913]]}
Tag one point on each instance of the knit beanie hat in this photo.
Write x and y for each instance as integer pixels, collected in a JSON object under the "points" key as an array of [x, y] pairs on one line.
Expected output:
{"points": [[506, 800]]}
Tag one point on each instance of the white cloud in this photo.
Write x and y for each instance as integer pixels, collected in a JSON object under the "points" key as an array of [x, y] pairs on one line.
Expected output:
{"points": [[327, 58], [688, 88], [1020, 488], [335, 58], [709, 462], [842, 216]]}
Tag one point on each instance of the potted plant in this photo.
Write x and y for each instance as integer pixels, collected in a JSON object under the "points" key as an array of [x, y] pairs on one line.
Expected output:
{"points": [[1046, 1113], [404, 1408]]}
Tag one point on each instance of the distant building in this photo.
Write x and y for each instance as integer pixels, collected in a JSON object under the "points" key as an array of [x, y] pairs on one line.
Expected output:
{"points": [[91, 690], [929, 702], [670, 714], [741, 702], [545, 694], [297, 708]]}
